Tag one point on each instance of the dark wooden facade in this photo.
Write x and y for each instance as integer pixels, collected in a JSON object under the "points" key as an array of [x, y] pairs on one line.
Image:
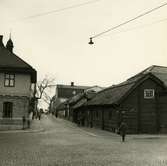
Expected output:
{"points": [[142, 115]]}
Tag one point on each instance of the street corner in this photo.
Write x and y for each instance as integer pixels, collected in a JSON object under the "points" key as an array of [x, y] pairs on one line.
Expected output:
{"points": [[36, 126]]}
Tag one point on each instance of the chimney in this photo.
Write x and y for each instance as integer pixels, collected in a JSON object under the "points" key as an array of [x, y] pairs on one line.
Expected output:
{"points": [[72, 83], [1, 41]]}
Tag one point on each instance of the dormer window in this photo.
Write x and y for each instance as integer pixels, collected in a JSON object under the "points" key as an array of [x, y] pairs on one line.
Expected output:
{"points": [[9, 80]]}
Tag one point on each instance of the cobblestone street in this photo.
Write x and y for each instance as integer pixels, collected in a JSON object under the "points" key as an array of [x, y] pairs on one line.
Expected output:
{"points": [[63, 143]]}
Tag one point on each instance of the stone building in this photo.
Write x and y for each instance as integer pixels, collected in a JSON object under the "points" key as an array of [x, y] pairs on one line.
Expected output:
{"points": [[17, 86]]}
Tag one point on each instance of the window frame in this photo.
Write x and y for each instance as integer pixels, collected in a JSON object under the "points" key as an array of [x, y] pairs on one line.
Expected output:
{"points": [[10, 79], [149, 90]]}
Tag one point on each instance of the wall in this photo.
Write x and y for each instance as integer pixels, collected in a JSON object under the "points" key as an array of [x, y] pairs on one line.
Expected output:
{"points": [[142, 115], [20, 109], [22, 86], [20, 105]]}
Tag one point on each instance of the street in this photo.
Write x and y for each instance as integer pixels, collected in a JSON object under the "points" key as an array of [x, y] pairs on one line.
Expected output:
{"points": [[62, 143]]}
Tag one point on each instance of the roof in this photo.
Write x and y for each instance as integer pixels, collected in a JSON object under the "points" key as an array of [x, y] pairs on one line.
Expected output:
{"points": [[86, 97], [87, 94], [68, 91], [62, 106], [111, 95], [114, 94], [75, 98], [10, 62], [158, 71], [72, 87]]}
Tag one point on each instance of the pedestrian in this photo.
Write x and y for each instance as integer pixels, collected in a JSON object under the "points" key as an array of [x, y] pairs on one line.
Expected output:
{"points": [[33, 115], [123, 129], [24, 121], [39, 115]]}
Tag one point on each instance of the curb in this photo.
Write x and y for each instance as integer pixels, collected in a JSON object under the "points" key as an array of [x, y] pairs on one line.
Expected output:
{"points": [[22, 131]]}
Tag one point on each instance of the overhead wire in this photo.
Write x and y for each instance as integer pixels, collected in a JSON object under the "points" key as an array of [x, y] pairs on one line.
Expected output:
{"points": [[126, 22], [142, 26], [60, 10]]}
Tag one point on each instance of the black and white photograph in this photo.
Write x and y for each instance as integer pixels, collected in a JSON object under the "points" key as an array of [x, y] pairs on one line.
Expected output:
{"points": [[83, 83]]}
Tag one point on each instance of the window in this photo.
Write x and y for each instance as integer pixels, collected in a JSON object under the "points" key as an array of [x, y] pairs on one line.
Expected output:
{"points": [[9, 80], [7, 109], [148, 93]]}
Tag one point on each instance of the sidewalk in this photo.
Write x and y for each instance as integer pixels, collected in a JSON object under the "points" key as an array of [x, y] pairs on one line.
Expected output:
{"points": [[104, 133], [36, 126]]}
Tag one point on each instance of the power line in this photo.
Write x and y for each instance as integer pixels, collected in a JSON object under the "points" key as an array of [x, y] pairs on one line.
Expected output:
{"points": [[60, 10], [126, 22], [143, 26]]}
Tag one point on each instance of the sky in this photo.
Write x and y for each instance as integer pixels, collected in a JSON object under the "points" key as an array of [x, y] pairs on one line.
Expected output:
{"points": [[56, 44]]}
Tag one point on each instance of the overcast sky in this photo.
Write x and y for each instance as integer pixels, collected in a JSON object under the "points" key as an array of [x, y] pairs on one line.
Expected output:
{"points": [[57, 44]]}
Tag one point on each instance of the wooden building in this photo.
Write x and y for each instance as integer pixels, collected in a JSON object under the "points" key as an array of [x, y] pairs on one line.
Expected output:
{"points": [[67, 107], [141, 102]]}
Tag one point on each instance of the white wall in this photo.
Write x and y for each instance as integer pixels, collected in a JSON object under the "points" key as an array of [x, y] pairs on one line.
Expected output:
{"points": [[22, 86]]}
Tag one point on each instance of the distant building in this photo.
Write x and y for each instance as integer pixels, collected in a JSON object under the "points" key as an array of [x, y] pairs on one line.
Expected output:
{"points": [[76, 102], [140, 101], [63, 93], [17, 86]]}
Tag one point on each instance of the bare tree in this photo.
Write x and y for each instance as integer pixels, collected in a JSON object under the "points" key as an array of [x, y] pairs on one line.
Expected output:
{"points": [[43, 89], [42, 86]]}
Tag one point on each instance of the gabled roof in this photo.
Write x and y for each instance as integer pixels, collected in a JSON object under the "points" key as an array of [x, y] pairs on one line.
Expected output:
{"points": [[75, 98], [10, 62], [159, 71], [115, 94], [86, 97], [111, 95]]}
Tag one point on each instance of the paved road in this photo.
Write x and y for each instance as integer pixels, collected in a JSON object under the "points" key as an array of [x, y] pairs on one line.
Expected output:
{"points": [[62, 143]]}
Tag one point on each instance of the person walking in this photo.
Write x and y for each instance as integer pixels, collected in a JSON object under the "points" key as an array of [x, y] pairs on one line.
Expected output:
{"points": [[123, 129]]}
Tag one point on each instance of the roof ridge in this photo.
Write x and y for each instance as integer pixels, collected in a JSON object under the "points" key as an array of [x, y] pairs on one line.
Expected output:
{"points": [[123, 83], [148, 69], [159, 66], [116, 86]]}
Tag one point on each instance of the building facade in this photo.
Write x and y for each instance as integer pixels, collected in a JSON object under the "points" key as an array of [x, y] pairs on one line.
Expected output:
{"points": [[140, 101], [17, 87], [62, 95]]}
